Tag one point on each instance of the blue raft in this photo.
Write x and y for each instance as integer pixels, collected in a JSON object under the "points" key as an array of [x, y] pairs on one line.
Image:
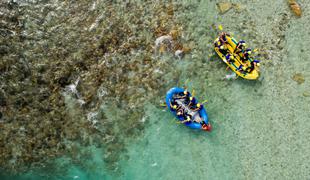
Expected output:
{"points": [[192, 124]]}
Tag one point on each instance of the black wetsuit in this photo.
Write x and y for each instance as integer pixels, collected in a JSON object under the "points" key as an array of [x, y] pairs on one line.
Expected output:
{"points": [[251, 68]]}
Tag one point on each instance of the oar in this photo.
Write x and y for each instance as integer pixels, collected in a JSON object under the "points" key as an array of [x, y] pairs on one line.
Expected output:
{"points": [[220, 27], [205, 101], [185, 83], [193, 94], [162, 105]]}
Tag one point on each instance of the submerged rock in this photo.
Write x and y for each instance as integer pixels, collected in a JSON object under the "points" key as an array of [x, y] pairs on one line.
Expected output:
{"points": [[223, 7], [299, 78], [306, 94], [295, 7]]}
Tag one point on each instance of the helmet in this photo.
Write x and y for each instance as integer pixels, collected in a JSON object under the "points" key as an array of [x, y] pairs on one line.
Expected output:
{"points": [[232, 57], [221, 47], [190, 98], [198, 105], [179, 113], [207, 127], [185, 92], [249, 52], [174, 106], [257, 64], [243, 68], [188, 118]]}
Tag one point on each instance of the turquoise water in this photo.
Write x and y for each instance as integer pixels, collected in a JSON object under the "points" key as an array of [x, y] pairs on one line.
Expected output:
{"points": [[260, 128]]}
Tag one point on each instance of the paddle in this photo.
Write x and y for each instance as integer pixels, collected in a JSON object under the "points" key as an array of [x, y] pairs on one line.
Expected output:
{"points": [[163, 105], [193, 93], [205, 101]]}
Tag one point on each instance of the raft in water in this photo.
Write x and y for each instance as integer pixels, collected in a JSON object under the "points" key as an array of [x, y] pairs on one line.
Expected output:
{"points": [[199, 119]]}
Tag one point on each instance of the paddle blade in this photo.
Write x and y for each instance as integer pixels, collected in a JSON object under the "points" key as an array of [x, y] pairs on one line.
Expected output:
{"points": [[220, 27], [162, 105], [193, 94], [205, 101]]}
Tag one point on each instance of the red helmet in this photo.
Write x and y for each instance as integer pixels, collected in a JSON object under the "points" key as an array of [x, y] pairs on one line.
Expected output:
{"points": [[207, 127]]}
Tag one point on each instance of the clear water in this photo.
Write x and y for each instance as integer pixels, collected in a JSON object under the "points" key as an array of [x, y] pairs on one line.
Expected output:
{"points": [[260, 128]]}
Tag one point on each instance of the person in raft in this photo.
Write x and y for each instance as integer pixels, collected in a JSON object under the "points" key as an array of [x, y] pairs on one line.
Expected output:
{"points": [[241, 69], [230, 58], [182, 95], [240, 47], [222, 37], [246, 55], [188, 118], [174, 106], [253, 65], [198, 107]]}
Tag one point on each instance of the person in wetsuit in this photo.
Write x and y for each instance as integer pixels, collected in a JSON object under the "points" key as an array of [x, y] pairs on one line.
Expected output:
{"points": [[253, 65], [240, 47], [230, 58], [246, 55]]}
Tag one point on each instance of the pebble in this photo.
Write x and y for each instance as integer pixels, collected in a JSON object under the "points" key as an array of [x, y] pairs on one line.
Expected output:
{"points": [[299, 78], [306, 94]]}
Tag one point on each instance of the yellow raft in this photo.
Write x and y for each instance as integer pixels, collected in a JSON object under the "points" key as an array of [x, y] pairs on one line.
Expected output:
{"points": [[231, 45]]}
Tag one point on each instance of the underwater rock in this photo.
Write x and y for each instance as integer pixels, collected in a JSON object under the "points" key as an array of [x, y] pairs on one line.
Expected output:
{"points": [[179, 54], [223, 7], [306, 94], [238, 7], [163, 40], [299, 78], [295, 7], [174, 34]]}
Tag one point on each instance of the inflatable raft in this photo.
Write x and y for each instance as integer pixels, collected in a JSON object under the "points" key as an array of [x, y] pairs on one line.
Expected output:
{"points": [[231, 45], [199, 119]]}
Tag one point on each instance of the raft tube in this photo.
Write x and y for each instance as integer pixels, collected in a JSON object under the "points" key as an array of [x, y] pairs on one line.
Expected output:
{"points": [[202, 112]]}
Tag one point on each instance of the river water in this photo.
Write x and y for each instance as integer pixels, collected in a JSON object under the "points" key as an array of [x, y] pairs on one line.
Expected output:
{"points": [[99, 115]]}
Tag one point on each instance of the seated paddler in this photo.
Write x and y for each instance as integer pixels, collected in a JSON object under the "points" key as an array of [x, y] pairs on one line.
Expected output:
{"points": [[223, 38], [197, 107], [254, 64], [174, 105], [246, 55], [182, 95], [188, 118], [240, 47], [230, 58]]}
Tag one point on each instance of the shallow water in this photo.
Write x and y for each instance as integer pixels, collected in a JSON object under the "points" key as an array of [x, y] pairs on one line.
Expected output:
{"points": [[260, 128]]}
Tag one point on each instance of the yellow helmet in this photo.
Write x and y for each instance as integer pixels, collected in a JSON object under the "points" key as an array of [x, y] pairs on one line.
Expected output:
{"points": [[179, 113], [232, 57], [174, 106], [257, 64], [190, 98], [249, 52], [198, 105], [243, 68], [221, 47]]}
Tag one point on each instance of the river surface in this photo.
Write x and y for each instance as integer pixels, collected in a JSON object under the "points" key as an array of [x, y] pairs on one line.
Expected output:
{"points": [[81, 89]]}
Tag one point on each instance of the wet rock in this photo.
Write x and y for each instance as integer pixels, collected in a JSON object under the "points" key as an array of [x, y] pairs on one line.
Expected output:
{"points": [[306, 94], [223, 7], [295, 7], [299, 78]]}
